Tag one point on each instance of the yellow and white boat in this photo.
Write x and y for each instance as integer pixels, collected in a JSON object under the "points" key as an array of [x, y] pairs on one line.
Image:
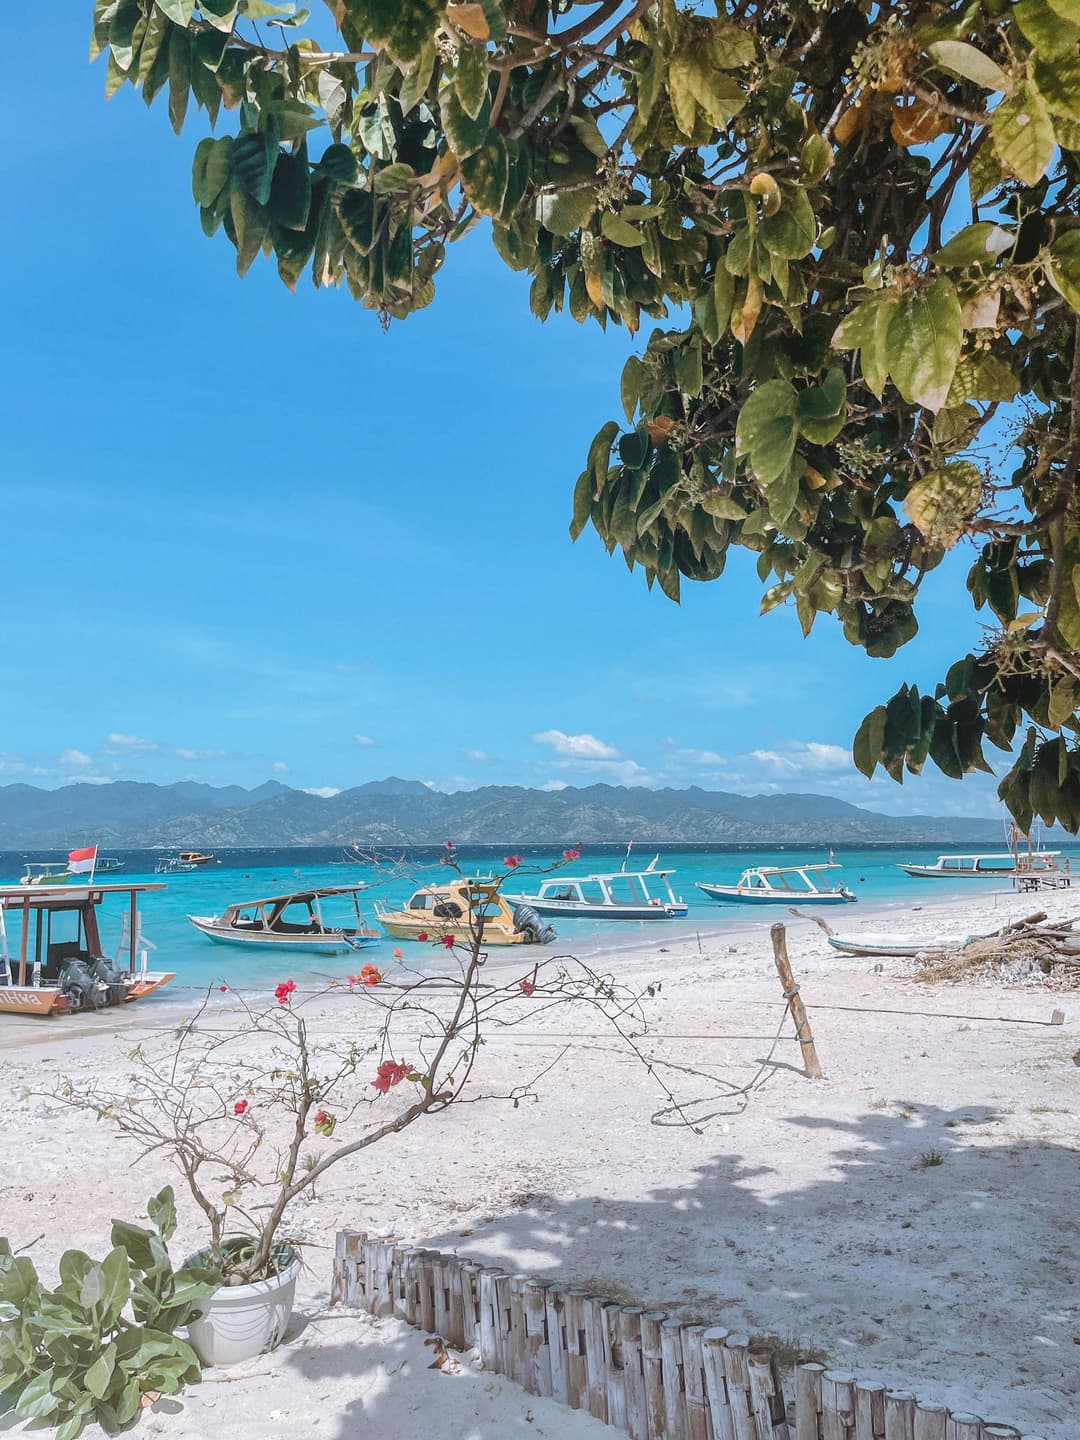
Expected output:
{"points": [[464, 908]]}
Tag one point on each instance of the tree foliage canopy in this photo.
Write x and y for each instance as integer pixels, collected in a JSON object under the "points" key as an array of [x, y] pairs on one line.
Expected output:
{"points": [[865, 214]]}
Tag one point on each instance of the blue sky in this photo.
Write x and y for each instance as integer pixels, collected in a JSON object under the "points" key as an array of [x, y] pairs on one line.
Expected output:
{"points": [[248, 534]]}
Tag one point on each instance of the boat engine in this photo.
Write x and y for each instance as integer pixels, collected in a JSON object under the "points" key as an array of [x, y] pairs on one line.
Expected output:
{"points": [[528, 923], [86, 983]]}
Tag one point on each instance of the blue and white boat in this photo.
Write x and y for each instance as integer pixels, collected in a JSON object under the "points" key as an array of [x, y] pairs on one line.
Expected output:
{"points": [[621, 895], [290, 922], [781, 885]]}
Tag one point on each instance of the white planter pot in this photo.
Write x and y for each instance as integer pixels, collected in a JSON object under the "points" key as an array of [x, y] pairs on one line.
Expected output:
{"points": [[239, 1322]]}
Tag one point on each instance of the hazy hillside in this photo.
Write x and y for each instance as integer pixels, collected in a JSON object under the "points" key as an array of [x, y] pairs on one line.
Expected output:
{"points": [[395, 811]]}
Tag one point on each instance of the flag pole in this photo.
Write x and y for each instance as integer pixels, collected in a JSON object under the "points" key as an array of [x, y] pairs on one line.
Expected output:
{"points": [[93, 865]]}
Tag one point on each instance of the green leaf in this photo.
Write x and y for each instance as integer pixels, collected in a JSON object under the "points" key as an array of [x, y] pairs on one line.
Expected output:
{"points": [[766, 430], [290, 190], [465, 133], [251, 224], [696, 81], [964, 60], [1063, 267], [633, 374], [941, 502], [792, 231], [978, 244], [815, 159], [823, 408], [338, 163], [865, 329], [1050, 31], [922, 344], [1059, 84], [564, 213], [583, 500], [178, 11], [688, 369], [470, 78], [982, 376], [619, 231], [100, 1374], [1023, 134], [179, 77], [600, 453], [868, 742]]}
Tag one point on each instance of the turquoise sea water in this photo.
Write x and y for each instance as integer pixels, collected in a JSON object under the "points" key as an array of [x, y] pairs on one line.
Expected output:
{"points": [[238, 876]]}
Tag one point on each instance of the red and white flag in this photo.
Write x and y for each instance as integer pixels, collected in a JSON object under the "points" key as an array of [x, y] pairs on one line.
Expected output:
{"points": [[82, 862]]}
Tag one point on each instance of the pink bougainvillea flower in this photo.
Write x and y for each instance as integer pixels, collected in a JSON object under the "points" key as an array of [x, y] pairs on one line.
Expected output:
{"points": [[370, 975], [390, 1073], [423, 935], [572, 854], [240, 1107], [449, 844], [320, 1117], [283, 991], [223, 989], [513, 861], [527, 987], [448, 941], [397, 954]]}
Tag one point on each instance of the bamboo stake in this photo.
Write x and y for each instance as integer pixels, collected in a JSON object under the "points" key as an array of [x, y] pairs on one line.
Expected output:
{"points": [[671, 1358], [712, 1350], [767, 1395], [637, 1421], [489, 1321], [470, 1304], [455, 1304], [595, 1327], [899, 1415], [576, 1377], [738, 1387], [613, 1368], [505, 1364], [811, 1064], [426, 1286], [537, 1351], [1000, 1432], [698, 1425], [412, 1260], [930, 1421], [517, 1369], [384, 1294], [808, 1401], [837, 1405], [555, 1306], [653, 1370], [962, 1426], [869, 1412]]}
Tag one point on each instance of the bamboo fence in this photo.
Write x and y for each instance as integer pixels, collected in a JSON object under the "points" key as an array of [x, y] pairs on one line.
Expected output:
{"points": [[644, 1373]]}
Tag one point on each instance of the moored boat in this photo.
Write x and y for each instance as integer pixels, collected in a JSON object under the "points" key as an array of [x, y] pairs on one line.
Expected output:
{"points": [[45, 873], [772, 885], [868, 945], [173, 865], [463, 908], [289, 923], [1003, 866], [621, 895], [59, 965], [109, 865], [194, 857]]}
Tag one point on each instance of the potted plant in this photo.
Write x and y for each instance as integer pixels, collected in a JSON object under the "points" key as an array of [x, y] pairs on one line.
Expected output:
{"points": [[240, 1096]]}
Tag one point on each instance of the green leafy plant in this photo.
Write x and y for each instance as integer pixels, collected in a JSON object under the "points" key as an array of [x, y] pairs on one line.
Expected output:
{"points": [[870, 214], [104, 1339]]}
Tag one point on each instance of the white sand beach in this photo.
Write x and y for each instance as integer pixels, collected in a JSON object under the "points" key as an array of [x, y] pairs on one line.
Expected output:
{"points": [[804, 1210]]}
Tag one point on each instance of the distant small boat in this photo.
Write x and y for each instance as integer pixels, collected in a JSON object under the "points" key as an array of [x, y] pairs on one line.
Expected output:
{"points": [[289, 923], [173, 865], [109, 865], [56, 873], [461, 907], [195, 857], [621, 895], [771, 885], [988, 867]]}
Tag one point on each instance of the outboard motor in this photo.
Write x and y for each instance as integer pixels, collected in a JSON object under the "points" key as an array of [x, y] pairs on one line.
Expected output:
{"points": [[80, 986], [528, 923]]}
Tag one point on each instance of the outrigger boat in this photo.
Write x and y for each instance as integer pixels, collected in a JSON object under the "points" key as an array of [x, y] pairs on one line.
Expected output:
{"points": [[621, 895], [60, 966], [109, 865], [461, 908], [990, 867], [772, 885], [36, 873], [289, 922], [173, 865]]}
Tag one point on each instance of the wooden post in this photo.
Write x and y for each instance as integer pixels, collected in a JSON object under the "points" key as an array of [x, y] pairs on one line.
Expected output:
{"points": [[962, 1426], [637, 1422], [470, 1298], [613, 1368], [929, 1421], [712, 1350], [808, 1401], [697, 1404], [837, 1405], [397, 1282], [869, 1412], [811, 1064], [899, 1415], [738, 1387], [347, 1245], [671, 1357], [455, 1304], [766, 1395], [576, 1375], [489, 1321], [653, 1371], [426, 1278], [1000, 1432], [555, 1303], [384, 1298], [516, 1369], [594, 1324], [537, 1351]]}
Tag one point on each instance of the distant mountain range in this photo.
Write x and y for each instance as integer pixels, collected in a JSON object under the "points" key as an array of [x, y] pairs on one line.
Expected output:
{"points": [[131, 814]]}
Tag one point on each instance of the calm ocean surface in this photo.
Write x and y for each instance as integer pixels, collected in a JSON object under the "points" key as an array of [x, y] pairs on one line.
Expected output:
{"points": [[236, 876]]}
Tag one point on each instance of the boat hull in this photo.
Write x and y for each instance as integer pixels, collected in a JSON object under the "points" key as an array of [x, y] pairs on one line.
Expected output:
{"points": [[584, 910], [46, 1001], [870, 947], [732, 895], [405, 928], [931, 872], [304, 944]]}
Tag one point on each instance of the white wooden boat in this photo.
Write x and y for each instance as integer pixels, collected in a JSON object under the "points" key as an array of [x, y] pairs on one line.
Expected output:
{"points": [[868, 945], [621, 895], [463, 908], [289, 923], [173, 865], [781, 885], [1003, 866], [58, 966], [47, 873]]}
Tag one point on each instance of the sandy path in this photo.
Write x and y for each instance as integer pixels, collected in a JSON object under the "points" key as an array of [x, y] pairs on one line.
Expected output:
{"points": [[805, 1210]]}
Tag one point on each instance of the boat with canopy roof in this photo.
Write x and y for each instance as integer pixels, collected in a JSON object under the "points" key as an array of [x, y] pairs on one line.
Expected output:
{"points": [[290, 922], [620, 895], [57, 964], [780, 885]]}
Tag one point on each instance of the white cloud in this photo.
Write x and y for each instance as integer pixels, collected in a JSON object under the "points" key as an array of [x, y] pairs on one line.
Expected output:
{"points": [[324, 792], [554, 785], [279, 767], [800, 757], [186, 754], [117, 744], [73, 757], [96, 779], [363, 740], [16, 765], [576, 747], [481, 757], [700, 757]]}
